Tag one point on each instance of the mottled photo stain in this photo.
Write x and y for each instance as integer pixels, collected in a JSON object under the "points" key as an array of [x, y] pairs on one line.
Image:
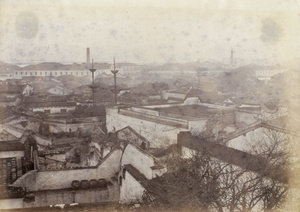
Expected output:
{"points": [[26, 25], [271, 32]]}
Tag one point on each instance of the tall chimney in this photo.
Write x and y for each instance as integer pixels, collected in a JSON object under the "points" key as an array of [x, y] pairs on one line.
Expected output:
{"points": [[87, 57]]}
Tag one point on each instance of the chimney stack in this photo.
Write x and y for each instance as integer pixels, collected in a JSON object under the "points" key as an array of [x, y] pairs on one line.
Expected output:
{"points": [[88, 57]]}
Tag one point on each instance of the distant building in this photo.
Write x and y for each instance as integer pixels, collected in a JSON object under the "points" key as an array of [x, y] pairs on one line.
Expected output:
{"points": [[13, 90], [53, 104], [266, 74], [56, 73], [206, 92], [12, 94], [52, 107]]}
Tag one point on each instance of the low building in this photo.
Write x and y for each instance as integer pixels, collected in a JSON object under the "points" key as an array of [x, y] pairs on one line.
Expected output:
{"points": [[12, 94], [96, 184], [52, 107], [14, 90], [160, 124], [52, 104]]}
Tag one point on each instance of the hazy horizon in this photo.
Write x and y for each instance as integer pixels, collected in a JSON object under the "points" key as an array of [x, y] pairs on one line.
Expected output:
{"points": [[149, 32]]}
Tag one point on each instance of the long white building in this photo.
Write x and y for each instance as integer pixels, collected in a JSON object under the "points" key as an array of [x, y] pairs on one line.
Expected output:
{"points": [[47, 73]]}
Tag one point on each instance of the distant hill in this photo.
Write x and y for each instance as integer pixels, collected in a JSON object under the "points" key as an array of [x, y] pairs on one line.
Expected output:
{"points": [[60, 66], [6, 68], [191, 66]]}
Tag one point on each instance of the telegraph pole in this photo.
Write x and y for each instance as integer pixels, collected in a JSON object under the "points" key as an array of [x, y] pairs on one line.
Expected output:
{"points": [[115, 80]]}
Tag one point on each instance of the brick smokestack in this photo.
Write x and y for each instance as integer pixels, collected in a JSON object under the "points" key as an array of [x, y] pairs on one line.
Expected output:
{"points": [[88, 57]]}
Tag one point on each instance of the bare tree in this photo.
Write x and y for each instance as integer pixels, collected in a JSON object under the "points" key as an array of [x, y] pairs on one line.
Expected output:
{"points": [[210, 184]]}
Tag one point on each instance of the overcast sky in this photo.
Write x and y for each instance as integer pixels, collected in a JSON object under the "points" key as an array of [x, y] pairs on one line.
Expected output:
{"points": [[147, 31]]}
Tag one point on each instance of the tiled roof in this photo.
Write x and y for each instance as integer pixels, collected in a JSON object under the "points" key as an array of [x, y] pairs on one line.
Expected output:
{"points": [[11, 146], [12, 88], [57, 98], [50, 104], [236, 157]]}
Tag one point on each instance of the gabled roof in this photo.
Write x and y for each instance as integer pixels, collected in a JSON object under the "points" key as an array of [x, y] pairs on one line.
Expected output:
{"points": [[133, 131], [181, 90]]}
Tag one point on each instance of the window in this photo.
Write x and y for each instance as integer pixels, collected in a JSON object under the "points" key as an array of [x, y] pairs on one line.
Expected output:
{"points": [[30, 73], [21, 72], [63, 110], [81, 73], [16, 73], [41, 73], [55, 73], [60, 73], [35, 73], [25, 73], [47, 111]]}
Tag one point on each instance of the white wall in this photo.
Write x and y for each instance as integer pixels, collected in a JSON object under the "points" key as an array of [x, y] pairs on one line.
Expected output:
{"points": [[27, 90], [11, 203], [196, 127], [192, 101], [12, 154], [159, 135], [246, 118], [131, 190], [139, 160], [166, 95], [253, 138], [52, 109], [60, 179]]}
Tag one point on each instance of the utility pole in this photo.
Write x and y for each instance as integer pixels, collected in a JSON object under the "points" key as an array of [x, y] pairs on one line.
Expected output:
{"points": [[115, 80]]}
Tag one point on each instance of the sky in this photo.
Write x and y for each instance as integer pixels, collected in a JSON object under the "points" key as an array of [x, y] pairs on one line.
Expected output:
{"points": [[141, 31]]}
